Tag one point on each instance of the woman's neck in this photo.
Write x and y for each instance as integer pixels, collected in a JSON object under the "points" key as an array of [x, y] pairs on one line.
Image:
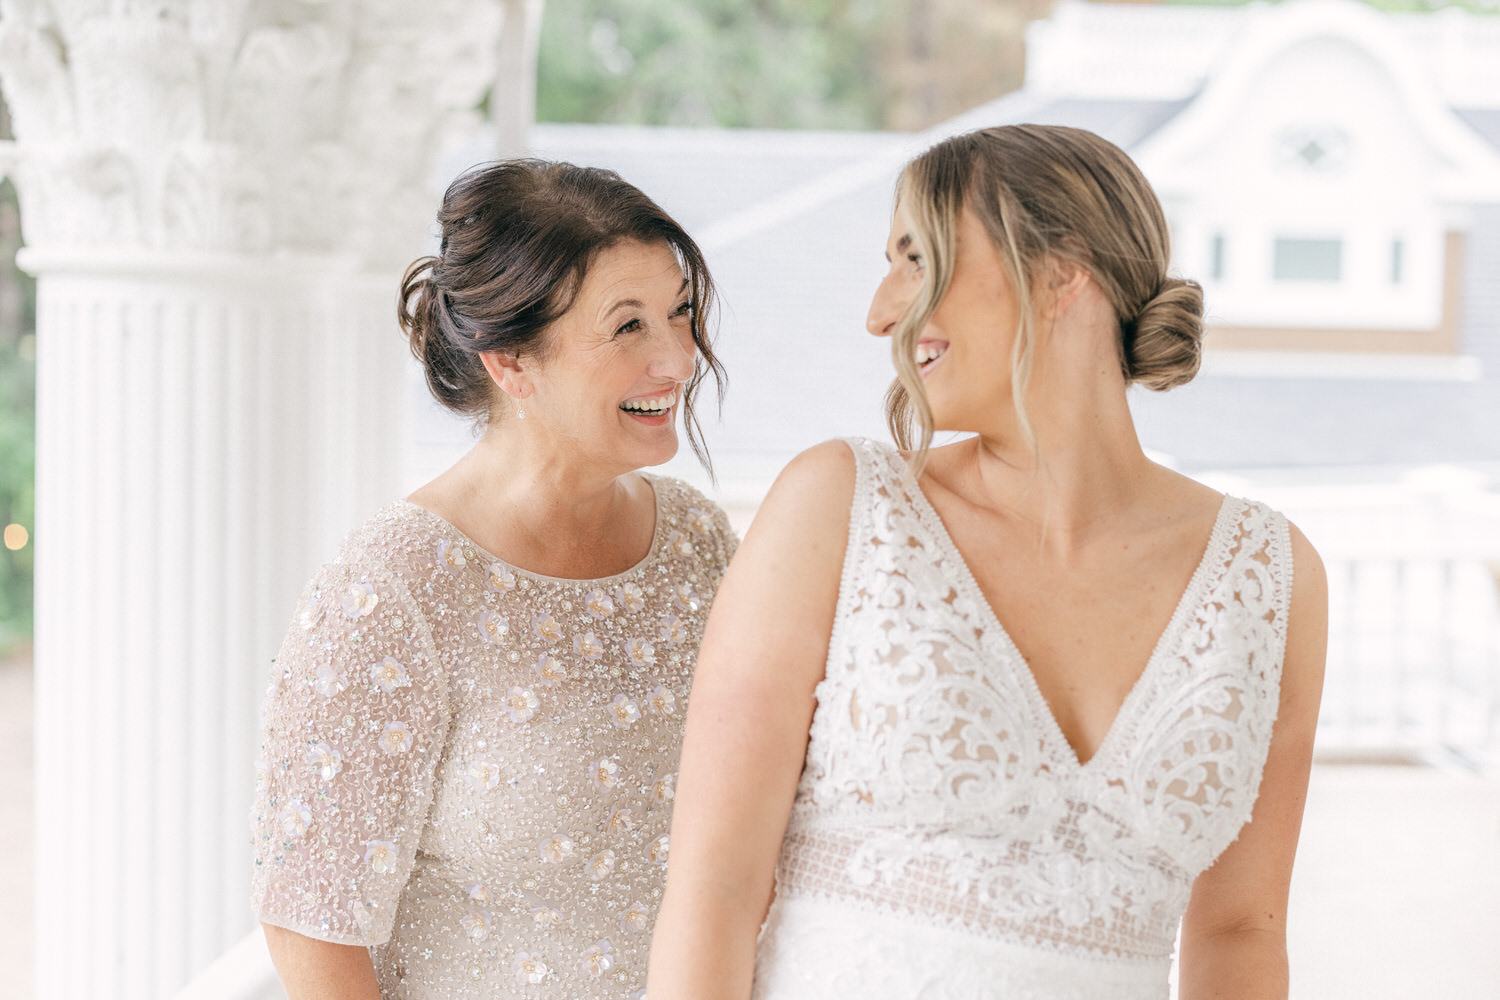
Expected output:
{"points": [[1083, 467], [542, 509]]}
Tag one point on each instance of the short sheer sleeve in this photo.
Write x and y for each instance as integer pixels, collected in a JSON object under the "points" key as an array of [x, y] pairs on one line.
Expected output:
{"points": [[725, 542], [354, 725]]}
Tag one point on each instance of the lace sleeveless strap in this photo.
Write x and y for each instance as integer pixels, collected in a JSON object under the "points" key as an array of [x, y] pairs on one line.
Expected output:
{"points": [[870, 496]]}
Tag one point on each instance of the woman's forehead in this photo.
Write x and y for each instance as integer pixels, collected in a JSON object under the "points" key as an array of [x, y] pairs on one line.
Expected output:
{"points": [[631, 273], [902, 236], [634, 261]]}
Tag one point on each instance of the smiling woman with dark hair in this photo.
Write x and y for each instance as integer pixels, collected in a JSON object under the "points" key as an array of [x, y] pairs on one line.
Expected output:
{"points": [[472, 737]]}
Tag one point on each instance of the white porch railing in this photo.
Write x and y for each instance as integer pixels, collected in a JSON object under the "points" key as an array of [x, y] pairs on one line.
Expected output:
{"points": [[1414, 656]]}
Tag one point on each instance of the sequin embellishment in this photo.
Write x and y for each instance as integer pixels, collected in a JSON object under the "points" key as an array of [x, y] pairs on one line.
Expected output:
{"points": [[469, 768]]}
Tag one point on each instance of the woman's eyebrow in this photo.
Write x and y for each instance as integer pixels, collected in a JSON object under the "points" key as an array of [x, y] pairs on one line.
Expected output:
{"points": [[901, 245], [637, 303]]}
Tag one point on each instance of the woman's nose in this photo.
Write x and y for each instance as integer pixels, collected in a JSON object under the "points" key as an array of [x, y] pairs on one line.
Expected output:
{"points": [[886, 308], [676, 356]]}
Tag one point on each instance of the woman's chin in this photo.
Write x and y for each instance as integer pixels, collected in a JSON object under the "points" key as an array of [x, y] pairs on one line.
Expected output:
{"points": [[659, 451], [663, 459]]}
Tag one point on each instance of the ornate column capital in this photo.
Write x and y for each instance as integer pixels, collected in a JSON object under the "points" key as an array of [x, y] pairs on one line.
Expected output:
{"points": [[239, 126]]}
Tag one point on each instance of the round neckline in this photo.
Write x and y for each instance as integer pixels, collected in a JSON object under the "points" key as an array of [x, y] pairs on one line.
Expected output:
{"points": [[658, 539]]}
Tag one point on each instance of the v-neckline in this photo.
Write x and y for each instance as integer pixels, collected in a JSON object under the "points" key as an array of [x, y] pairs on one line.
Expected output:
{"points": [[1206, 563]]}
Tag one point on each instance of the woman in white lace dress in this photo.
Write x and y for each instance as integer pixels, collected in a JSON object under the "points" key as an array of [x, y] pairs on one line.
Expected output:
{"points": [[995, 719], [472, 735]]}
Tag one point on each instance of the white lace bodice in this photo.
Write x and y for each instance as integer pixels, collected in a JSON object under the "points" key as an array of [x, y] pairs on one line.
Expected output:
{"points": [[939, 790], [470, 767]]}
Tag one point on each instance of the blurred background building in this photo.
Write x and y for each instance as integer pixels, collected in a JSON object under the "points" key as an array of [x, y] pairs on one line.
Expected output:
{"points": [[1331, 174]]}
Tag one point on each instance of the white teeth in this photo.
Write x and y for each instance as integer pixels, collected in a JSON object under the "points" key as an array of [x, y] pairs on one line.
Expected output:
{"points": [[655, 406], [928, 352]]}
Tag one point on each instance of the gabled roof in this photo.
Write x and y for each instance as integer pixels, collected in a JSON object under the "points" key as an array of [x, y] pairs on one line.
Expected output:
{"points": [[1468, 167]]}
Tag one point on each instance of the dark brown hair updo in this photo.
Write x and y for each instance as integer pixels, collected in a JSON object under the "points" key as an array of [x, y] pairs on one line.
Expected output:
{"points": [[518, 237], [1047, 191]]}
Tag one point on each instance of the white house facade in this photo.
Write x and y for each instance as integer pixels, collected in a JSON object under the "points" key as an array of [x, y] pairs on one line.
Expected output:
{"points": [[1320, 177]]}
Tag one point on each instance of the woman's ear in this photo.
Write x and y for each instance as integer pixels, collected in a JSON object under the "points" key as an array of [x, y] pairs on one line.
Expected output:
{"points": [[509, 373], [1063, 281]]}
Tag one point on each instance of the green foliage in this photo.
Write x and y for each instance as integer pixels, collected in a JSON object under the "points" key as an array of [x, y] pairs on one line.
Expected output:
{"points": [[17, 497], [17, 439], [764, 63]]}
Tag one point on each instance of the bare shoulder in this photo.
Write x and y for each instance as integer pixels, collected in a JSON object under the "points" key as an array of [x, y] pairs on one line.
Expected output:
{"points": [[1307, 621], [829, 465], [811, 496], [1309, 573], [782, 584], [766, 639]]}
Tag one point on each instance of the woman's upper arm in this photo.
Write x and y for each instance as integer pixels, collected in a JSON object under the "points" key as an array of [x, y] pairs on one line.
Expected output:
{"points": [[1246, 889], [353, 728], [763, 652], [317, 970]]}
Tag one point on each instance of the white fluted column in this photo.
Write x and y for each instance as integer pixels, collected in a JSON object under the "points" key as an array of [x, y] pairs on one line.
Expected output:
{"points": [[216, 201], [172, 430]]}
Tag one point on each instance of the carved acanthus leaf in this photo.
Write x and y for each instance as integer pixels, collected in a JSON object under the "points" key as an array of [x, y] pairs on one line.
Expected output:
{"points": [[239, 125]]}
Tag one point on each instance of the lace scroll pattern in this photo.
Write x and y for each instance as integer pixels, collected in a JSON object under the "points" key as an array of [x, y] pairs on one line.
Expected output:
{"points": [[939, 789]]}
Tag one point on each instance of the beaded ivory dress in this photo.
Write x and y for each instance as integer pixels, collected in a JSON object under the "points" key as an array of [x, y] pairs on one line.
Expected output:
{"points": [[946, 842], [469, 767]]}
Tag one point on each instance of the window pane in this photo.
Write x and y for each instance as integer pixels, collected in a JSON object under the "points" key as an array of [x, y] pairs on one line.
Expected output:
{"points": [[1308, 260]]}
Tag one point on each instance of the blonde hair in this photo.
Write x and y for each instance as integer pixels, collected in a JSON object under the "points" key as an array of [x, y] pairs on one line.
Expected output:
{"points": [[1044, 192]]}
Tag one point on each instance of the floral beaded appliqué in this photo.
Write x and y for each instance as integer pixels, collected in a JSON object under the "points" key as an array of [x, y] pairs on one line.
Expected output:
{"points": [[475, 765]]}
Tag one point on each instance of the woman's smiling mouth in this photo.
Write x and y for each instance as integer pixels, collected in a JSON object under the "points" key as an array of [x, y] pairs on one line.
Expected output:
{"points": [[652, 407], [927, 354]]}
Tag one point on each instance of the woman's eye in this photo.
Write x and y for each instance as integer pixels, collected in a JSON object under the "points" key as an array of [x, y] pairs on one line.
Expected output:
{"points": [[686, 309], [629, 327], [916, 260]]}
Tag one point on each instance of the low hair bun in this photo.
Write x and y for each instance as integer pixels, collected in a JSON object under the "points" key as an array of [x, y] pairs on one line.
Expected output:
{"points": [[1164, 346], [451, 372]]}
